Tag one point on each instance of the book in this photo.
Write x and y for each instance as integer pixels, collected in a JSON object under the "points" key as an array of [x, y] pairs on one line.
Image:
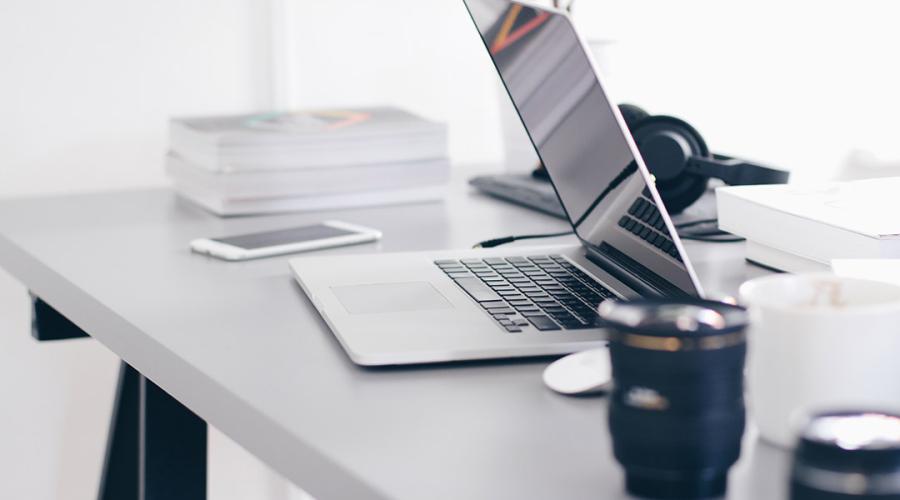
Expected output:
{"points": [[304, 139], [306, 182], [799, 228], [255, 206]]}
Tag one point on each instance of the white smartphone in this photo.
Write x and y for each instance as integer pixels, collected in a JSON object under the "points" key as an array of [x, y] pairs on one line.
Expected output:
{"points": [[298, 239]]}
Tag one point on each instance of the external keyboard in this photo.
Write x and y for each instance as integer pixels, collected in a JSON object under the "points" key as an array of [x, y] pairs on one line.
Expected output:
{"points": [[546, 292]]}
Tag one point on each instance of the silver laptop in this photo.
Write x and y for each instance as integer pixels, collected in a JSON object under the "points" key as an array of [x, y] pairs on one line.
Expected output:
{"points": [[456, 305]]}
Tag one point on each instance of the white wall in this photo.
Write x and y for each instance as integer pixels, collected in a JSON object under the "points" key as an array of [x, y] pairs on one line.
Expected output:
{"points": [[800, 84], [423, 55], [86, 88]]}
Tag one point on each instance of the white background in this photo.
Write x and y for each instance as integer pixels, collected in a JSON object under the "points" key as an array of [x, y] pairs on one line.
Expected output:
{"points": [[86, 89]]}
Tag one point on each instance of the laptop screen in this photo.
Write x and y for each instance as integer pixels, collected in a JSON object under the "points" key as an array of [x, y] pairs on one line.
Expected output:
{"points": [[580, 139]]}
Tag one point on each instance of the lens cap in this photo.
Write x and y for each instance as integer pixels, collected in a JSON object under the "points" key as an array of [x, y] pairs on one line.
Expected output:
{"points": [[850, 454]]}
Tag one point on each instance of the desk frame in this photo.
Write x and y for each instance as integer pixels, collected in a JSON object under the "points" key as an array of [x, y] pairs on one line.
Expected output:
{"points": [[156, 447]]}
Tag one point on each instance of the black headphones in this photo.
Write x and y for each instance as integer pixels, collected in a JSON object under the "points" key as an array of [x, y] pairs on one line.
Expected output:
{"points": [[678, 157]]}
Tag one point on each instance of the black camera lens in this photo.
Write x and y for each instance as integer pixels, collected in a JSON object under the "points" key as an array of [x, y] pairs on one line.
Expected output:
{"points": [[676, 412], [848, 456]]}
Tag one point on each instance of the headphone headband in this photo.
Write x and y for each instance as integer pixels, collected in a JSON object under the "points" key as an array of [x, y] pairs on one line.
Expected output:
{"points": [[735, 172]]}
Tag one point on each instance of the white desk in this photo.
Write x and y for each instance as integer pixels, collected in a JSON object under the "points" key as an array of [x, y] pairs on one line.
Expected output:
{"points": [[241, 346]]}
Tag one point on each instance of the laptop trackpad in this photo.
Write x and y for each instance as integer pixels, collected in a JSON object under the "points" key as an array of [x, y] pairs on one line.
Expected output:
{"points": [[390, 297]]}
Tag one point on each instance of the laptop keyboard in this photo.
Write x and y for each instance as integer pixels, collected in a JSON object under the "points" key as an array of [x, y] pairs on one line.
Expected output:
{"points": [[546, 292], [644, 221]]}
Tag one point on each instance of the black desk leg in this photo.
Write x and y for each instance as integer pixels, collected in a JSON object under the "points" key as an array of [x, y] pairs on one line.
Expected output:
{"points": [[156, 448], [119, 479], [48, 324], [172, 448]]}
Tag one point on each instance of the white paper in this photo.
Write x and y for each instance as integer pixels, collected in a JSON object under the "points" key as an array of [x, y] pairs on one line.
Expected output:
{"points": [[868, 207], [885, 270]]}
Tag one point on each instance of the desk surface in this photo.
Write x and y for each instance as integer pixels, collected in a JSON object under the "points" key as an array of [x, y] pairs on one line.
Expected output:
{"points": [[240, 345]]}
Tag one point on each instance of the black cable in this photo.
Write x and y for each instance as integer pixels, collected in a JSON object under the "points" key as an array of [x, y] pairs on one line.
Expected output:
{"points": [[712, 239], [695, 223], [714, 236], [509, 239]]}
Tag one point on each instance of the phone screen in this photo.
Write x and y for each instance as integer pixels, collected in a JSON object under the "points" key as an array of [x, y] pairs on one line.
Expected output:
{"points": [[283, 237]]}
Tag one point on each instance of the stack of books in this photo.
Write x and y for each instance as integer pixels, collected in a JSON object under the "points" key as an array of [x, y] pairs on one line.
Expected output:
{"points": [[310, 160], [801, 228]]}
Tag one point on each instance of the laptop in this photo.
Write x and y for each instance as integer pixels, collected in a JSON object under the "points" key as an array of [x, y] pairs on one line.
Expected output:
{"points": [[453, 305]]}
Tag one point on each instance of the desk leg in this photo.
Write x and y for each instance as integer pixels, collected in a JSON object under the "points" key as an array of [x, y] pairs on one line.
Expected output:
{"points": [[48, 324], [156, 448], [172, 448], [119, 479]]}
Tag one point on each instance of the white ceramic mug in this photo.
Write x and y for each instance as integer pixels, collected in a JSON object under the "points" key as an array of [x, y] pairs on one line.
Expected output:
{"points": [[819, 342]]}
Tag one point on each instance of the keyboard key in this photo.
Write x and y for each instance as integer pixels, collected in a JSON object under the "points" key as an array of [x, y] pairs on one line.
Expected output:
{"points": [[517, 291], [477, 290], [635, 207], [543, 323], [513, 329], [555, 310], [563, 316]]}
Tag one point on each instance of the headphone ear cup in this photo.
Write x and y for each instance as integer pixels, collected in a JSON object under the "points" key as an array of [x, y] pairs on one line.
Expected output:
{"points": [[633, 115], [667, 143]]}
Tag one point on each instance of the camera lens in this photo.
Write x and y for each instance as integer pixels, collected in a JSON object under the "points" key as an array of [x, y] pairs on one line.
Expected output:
{"points": [[676, 411], [848, 456]]}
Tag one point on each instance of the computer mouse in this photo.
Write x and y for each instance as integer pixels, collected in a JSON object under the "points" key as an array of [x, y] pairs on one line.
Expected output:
{"points": [[586, 372]]}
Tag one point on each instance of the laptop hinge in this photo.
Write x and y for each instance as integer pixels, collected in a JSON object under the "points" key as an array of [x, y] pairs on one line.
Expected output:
{"points": [[651, 286]]}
